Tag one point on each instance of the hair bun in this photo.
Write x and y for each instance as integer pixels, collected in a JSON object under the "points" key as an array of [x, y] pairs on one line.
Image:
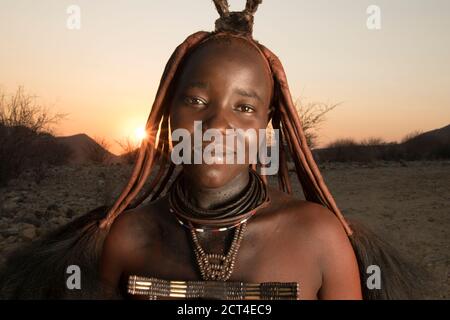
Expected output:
{"points": [[238, 22]]}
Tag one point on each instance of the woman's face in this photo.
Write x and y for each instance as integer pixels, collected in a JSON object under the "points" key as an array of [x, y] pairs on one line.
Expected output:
{"points": [[225, 85]]}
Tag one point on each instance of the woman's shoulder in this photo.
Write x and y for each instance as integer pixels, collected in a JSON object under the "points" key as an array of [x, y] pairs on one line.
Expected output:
{"points": [[309, 228], [298, 215], [139, 225]]}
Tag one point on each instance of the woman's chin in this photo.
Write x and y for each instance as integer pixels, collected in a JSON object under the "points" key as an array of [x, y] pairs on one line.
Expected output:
{"points": [[212, 175]]}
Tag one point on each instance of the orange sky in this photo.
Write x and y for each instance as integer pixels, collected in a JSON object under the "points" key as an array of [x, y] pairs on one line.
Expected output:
{"points": [[389, 82]]}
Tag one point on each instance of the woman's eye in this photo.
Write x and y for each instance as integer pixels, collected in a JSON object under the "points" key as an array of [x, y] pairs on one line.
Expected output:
{"points": [[245, 108], [194, 101]]}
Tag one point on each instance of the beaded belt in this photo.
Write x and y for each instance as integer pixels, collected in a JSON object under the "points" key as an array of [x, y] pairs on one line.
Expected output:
{"points": [[156, 288]]}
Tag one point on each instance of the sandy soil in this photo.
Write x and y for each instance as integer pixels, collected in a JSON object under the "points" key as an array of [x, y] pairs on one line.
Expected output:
{"points": [[408, 203]]}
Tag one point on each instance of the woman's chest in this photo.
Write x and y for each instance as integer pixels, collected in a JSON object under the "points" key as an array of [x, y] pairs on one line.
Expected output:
{"points": [[258, 260]]}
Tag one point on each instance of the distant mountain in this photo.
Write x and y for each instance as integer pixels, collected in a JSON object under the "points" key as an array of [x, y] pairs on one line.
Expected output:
{"points": [[84, 148], [430, 145], [441, 135]]}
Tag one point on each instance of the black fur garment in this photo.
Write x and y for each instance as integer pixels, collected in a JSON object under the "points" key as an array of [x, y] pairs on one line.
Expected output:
{"points": [[39, 270]]}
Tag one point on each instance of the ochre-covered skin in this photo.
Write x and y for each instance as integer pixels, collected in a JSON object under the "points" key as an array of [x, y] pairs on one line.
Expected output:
{"points": [[228, 84]]}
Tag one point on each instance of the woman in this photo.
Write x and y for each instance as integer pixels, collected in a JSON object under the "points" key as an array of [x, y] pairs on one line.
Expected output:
{"points": [[215, 222], [288, 241]]}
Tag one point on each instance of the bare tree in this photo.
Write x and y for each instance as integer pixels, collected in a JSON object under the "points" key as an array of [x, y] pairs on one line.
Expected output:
{"points": [[130, 149], [312, 116], [23, 110], [26, 140]]}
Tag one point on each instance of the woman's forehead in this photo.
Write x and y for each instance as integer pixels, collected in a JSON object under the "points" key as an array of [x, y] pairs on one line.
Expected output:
{"points": [[230, 48], [225, 57]]}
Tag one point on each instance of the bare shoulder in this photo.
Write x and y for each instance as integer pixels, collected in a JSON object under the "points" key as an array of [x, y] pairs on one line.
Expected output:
{"points": [[320, 221], [315, 230], [128, 234], [311, 219], [135, 228]]}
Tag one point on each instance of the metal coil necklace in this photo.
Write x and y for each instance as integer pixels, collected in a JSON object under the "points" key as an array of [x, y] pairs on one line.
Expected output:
{"points": [[214, 266], [253, 198]]}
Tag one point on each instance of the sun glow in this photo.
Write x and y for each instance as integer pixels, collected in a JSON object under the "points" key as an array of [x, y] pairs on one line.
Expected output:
{"points": [[140, 134]]}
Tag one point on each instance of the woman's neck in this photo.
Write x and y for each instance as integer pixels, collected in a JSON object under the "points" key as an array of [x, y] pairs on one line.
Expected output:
{"points": [[210, 198]]}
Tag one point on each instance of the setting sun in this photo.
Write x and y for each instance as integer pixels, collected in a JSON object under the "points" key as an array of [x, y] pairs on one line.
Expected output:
{"points": [[140, 134]]}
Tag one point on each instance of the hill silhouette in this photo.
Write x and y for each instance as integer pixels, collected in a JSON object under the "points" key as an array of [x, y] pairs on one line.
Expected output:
{"points": [[81, 145], [430, 145]]}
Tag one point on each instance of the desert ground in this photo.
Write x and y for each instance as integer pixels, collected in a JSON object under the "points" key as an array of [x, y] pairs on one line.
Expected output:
{"points": [[407, 203]]}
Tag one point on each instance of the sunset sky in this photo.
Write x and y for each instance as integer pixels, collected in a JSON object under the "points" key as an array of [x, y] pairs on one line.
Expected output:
{"points": [[388, 82]]}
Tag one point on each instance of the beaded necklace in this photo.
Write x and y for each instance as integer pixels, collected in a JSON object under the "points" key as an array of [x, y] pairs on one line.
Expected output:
{"points": [[214, 266]]}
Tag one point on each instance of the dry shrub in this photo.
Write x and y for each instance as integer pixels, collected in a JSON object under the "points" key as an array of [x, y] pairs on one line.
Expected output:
{"points": [[26, 139]]}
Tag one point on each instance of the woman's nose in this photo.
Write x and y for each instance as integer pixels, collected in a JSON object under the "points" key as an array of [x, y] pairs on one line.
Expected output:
{"points": [[218, 119]]}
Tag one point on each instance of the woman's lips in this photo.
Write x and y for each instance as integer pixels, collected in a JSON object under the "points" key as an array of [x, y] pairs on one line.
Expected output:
{"points": [[212, 156], [213, 148]]}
